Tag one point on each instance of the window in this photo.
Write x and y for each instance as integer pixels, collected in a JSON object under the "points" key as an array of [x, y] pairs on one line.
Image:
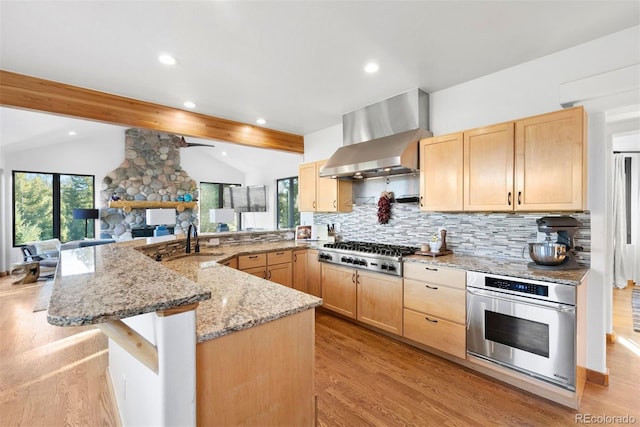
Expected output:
{"points": [[287, 202], [211, 197], [43, 206]]}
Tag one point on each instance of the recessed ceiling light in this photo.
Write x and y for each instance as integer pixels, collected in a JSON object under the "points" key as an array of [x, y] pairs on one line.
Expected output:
{"points": [[72, 132], [224, 153], [261, 121], [189, 104], [167, 59], [371, 67]]}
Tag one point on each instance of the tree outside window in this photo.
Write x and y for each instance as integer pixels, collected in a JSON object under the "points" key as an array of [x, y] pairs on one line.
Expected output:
{"points": [[287, 203], [211, 197], [43, 206]]}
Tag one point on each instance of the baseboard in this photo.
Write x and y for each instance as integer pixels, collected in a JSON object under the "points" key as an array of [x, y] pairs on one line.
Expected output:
{"points": [[611, 338], [597, 377]]}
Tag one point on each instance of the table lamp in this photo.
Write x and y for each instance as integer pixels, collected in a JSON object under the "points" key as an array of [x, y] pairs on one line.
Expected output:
{"points": [[86, 214], [161, 218], [222, 217]]}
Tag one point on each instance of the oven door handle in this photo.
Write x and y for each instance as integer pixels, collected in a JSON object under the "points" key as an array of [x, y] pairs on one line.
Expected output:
{"points": [[563, 308]]}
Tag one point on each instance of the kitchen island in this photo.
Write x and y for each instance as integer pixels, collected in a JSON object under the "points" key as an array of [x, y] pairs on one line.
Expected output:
{"points": [[246, 342]]}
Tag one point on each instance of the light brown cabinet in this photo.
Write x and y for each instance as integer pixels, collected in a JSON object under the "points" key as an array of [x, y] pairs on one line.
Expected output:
{"points": [[273, 266], [441, 173], [299, 279], [233, 263], [532, 164], [488, 168], [314, 273], [371, 298], [435, 307], [550, 161], [339, 289], [322, 194], [379, 301]]}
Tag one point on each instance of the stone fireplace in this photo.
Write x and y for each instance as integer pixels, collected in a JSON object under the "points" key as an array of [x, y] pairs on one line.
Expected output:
{"points": [[151, 173]]}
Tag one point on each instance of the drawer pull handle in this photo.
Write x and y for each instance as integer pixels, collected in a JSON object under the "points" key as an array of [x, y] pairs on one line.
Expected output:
{"points": [[431, 287], [431, 269], [279, 253], [509, 198], [430, 320], [519, 197], [253, 256]]}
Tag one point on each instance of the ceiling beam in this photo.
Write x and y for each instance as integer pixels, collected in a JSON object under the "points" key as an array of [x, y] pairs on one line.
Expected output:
{"points": [[32, 93]]}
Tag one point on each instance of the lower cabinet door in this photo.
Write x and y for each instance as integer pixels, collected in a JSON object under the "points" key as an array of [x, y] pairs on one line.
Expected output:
{"points": [[380, 301], [280, 273], [436, 333], [260, 272], [339, 290]]}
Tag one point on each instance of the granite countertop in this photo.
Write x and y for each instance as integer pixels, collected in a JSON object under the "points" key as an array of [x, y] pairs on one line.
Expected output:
{"points": [[103, 283], [503, 267]]}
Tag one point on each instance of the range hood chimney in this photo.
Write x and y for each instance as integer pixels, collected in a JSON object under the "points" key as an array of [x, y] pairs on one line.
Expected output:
{"points": [[382, 138]]}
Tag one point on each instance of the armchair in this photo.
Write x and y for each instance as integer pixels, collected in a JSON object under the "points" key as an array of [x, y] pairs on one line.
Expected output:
{"points": [[47, 264]]}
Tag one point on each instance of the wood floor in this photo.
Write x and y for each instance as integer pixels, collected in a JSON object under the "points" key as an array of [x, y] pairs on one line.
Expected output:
{"points": [[52, 376]]}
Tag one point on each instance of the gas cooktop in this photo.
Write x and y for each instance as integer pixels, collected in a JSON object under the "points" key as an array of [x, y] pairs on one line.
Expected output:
{"points": [[378, 257]]}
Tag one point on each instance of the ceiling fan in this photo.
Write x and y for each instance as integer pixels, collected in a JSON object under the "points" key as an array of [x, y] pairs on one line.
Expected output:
{"points": [[182, 143]]}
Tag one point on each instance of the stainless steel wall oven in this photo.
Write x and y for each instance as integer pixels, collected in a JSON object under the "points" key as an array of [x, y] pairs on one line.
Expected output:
{"points": [[524, 325]]}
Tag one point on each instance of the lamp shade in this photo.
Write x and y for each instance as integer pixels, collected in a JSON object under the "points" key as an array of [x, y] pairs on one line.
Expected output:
{"points": [[85, 213], [222, 215], [161, 216]]}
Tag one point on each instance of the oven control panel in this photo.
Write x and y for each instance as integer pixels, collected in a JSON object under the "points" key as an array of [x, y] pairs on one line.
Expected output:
{"points": [[512, 285]]}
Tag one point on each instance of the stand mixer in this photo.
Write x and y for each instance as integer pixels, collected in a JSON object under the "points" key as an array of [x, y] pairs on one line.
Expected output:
{"points": [[558, 255]]}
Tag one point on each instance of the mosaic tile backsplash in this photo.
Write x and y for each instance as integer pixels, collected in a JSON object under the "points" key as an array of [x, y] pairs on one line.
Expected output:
{"points": [[503, 235]]}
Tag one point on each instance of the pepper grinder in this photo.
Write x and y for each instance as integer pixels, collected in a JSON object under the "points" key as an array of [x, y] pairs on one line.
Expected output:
{"points": [[443, 237]]}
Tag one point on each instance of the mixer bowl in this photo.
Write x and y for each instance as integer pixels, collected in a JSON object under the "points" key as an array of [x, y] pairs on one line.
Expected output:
{"points": [[548, 253]]}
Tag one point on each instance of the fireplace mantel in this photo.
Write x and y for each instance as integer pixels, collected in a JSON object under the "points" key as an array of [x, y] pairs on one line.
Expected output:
{"points": [[127, 205]]}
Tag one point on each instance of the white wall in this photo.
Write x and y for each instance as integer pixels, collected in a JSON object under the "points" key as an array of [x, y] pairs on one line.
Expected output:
{"points": [[524, 90]]}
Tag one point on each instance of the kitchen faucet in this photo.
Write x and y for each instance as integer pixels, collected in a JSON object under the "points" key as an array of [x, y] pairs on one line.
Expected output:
{"points": [[195, 235]]}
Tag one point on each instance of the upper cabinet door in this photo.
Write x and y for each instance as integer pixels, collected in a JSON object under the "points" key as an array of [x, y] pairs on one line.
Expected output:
{"points": [[333, 195], [551, 161], [488, 168], [441, 173], [307, 173]]}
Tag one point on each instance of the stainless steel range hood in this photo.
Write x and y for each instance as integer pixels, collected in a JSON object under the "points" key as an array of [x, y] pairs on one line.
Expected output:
{"points": [[382, 138]]}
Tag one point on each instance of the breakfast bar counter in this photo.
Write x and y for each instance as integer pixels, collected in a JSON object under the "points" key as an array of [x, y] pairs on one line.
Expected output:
{"points": [[217, 343]]}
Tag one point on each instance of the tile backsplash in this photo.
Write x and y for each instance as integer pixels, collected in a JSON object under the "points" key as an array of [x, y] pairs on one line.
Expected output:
{"points": [[503, 235]]}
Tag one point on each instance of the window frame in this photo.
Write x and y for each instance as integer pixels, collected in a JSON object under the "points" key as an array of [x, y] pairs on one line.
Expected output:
{"points": [[291, 199], [55, 203]]}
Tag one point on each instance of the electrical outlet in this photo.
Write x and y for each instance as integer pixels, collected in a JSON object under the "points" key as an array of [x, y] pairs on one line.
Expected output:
{"points": [[214, 242], [124, 387]]}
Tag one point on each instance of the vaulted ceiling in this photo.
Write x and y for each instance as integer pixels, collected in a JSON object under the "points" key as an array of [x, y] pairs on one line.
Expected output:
{"points": [[298, 64]]}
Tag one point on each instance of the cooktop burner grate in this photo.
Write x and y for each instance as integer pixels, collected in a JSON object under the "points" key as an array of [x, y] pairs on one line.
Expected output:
{"points": [[373, 248]]}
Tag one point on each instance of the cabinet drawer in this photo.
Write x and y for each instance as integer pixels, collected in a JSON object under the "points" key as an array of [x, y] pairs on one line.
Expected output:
{"points": [[278, 257], [435, 274], [436, 333], [440, 301], [251, 261]]}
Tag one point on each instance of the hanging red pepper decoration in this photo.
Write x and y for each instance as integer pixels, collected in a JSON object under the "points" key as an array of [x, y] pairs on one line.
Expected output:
{"points": [[384, 207]]}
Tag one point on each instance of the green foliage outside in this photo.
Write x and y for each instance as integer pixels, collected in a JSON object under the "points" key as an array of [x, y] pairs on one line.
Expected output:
{"points": [[33, 214], [211, 198], [288, 214]]}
